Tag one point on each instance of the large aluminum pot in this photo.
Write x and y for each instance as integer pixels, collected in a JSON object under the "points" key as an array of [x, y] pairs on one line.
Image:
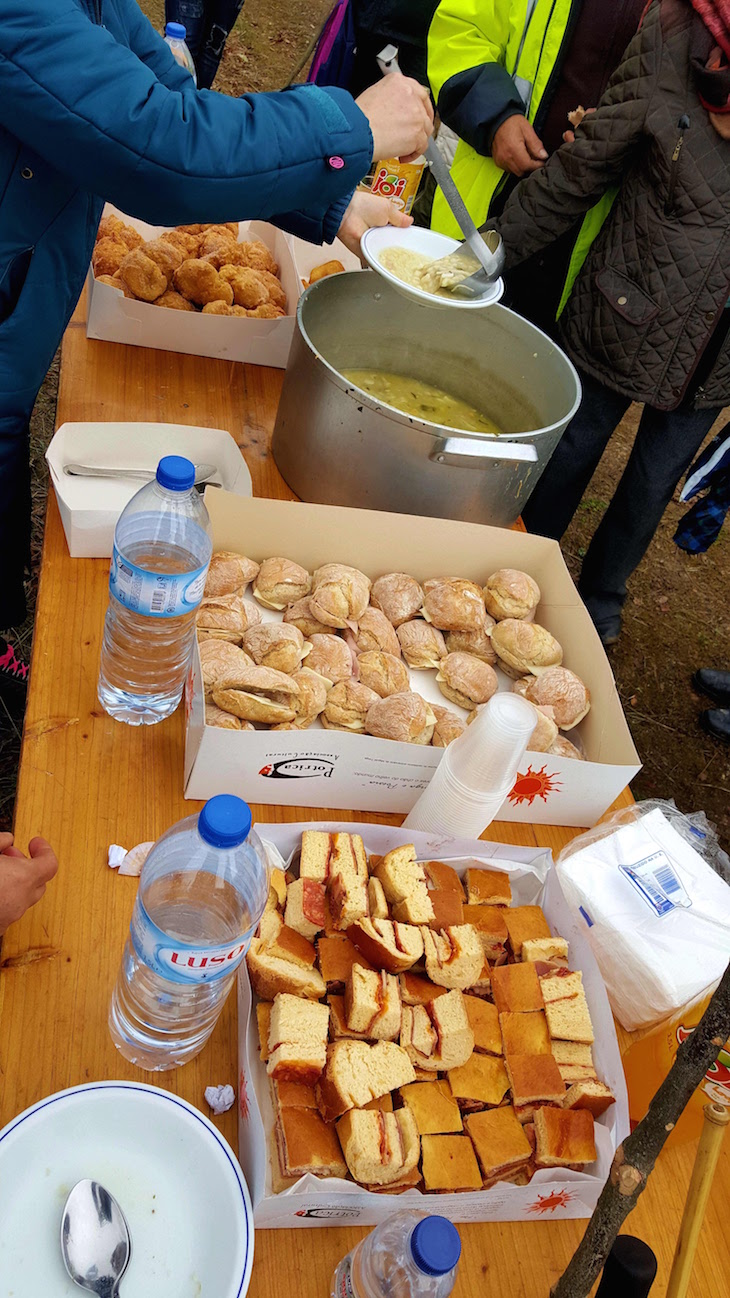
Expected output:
{"points": [[335, 444]]}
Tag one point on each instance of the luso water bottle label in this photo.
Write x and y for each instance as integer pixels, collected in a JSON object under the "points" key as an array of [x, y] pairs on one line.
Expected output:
{"points": [[342, 1287], [155, 594], [178, 962]]}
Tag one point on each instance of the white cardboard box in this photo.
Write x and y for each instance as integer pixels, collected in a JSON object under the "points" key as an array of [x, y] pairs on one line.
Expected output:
{"points": [[328, 768], [90, 507], [117, 319], [334, 1202]]}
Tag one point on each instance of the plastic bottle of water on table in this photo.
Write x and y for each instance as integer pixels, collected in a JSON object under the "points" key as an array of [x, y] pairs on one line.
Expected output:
{"points": [[175, 37], [411, 1255], [160, 560], [202, 892]]}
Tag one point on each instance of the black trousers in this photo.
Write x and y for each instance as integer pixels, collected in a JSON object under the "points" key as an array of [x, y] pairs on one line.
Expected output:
{"points": [[208, 24], [665, 445]]}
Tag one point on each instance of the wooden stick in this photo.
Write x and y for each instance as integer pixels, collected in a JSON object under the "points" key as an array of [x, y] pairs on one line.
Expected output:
{"points": [[708, 1152]]}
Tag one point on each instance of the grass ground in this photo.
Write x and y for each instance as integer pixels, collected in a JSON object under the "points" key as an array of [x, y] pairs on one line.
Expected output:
{"points": [[678, 613]]}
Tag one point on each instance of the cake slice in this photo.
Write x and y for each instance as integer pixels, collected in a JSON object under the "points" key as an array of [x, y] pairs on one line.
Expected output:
{"points": [[307, 1144], [488, 888], [490, 925], [356, 1073], [263, 1019], [534, 1079], [500, 1142], [270, 975], [591, 1095], [433, 1107], [417, 990], [372, 1003], [377, 901], [316, 852], [525, 923], [297, 1039], [449, 1164], [305, 907], [293, 1095], [525, 1034], [564, 1137], [454, 958], [443, 878], [481, 1081], [338, 1020], [572, 1052], [545, 948], [570, 1020], [516, 989], [483, 985], [418, 908], [400, 874], [484, 1023], [347, 884], [437, 1036], [336, 956], [561, 986], [448, 909], [379, 1148], [572, 1073], [387, 945]]}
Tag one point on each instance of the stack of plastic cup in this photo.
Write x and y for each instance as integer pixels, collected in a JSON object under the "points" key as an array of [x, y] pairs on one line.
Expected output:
{"points": [[476, 771]]}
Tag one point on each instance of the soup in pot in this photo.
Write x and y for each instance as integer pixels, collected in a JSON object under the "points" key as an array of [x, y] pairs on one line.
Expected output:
{"points": [[422, 400]]}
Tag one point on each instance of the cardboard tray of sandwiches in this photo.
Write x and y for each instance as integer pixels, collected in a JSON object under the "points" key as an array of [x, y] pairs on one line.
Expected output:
{"points": [[420, 1017]]}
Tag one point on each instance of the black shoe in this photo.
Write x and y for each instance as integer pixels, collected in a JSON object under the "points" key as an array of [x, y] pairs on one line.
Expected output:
{"points": [[716, 685], [716, 722]]}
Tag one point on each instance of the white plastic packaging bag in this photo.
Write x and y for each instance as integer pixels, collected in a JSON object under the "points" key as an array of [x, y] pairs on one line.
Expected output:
{"points": [[656, 914]]}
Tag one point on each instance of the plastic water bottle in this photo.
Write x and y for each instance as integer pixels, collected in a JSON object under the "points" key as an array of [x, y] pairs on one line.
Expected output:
{"points": [[411, 1255], [175, 35], [201, 895], [159, 564]]}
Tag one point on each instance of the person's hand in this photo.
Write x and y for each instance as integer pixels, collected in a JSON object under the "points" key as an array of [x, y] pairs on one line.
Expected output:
{"points": [[22, 880], [575, 118], [366, 210], [400, 114], [721, 123], [516, 148]]}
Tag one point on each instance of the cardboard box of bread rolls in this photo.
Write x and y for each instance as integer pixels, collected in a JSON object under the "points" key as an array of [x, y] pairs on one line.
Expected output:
{"points": [[552, 1193], [117, 319], [331, 768]]}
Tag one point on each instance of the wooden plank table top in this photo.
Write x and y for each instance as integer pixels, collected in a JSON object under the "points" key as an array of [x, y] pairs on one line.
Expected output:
{"points": [[86, 781]]}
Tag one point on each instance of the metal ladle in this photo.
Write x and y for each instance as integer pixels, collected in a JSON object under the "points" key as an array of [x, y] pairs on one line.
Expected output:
{"points": [[95, 1241]]}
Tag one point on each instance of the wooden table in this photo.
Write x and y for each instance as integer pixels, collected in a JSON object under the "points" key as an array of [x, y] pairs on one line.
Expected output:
{"points": [[86, 781]]}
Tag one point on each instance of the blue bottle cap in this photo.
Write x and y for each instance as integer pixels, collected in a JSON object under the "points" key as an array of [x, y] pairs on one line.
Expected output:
{"points": [[176, 31], [435, 1245], [225, 821], [174, 471]]}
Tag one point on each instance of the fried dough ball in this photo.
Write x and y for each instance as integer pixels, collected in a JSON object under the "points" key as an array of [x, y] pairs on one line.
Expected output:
{"points": [[280, 582], [108, 255], [247, 288], [201, 283], [562, 691], [217, 249], [267, 311], [231, 226], [383, 672], [511, 593], [218, 308], [143, 276], [347, 706], [114, 282], [309, 703], [340, 594], [229, 572], [112, 227], [165, 255], [448, 726], [405, 717], [374, 631], [276, 644], [466, 680], [330, 658], [422, 644], [453, 604], [327, 268], [478, 643], [525, 648], [563, 748], [187, 243], [273, 286], [398, 596], [175, 301], [221, 663], [215, 716], [258, 256], [300, 614]]}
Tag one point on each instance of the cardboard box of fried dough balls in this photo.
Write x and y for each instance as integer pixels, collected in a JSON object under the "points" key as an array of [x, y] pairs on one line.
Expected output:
{"points": [[383, 719], [511, 1112], [227, 291]]}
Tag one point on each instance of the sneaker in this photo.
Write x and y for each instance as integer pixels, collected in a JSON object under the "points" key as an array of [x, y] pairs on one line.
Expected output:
{"points": [[13, 671]]}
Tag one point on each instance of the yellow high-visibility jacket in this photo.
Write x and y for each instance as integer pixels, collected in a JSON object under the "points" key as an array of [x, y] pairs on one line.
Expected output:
{"points": [[475, 49]]}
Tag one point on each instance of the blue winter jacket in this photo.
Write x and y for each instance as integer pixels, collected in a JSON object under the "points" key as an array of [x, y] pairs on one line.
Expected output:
{"points": [[94, 107]]}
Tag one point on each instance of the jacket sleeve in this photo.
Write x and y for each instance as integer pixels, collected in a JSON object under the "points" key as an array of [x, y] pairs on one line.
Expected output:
{"points": [[607, 142], [101, 114], [474, 92]]}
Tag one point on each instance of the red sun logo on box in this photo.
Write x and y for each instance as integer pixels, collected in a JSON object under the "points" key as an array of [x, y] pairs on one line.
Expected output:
{"points": [[549, 1202], [533, 784]]}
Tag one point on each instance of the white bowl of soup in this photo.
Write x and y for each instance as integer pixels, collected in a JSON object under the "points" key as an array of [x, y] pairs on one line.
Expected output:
{"points": [[403, 256]]}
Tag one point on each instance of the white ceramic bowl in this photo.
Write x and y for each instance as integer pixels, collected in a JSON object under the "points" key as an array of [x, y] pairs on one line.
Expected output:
{"points": [[430, 244], [176, 1179]]}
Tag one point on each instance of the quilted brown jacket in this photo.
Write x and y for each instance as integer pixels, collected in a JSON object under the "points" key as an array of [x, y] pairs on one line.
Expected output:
{"points": [[656, 280]]}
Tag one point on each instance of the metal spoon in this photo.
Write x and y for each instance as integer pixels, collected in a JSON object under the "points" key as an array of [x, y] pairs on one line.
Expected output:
{"points": [[95, 1242], [203, 472]]}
